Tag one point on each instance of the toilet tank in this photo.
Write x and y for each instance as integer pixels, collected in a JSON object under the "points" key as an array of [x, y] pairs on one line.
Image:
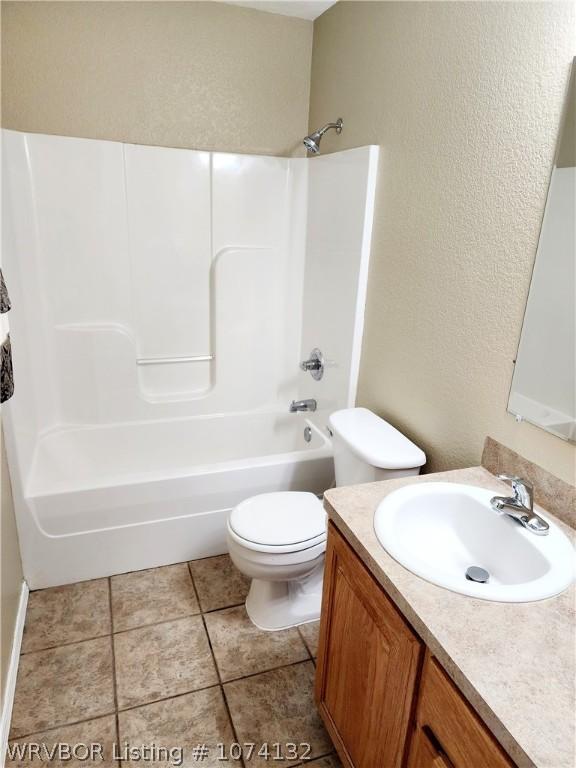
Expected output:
{"points": [[367, 448]]}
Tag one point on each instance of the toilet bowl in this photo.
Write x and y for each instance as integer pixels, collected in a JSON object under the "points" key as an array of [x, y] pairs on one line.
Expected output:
{"points": [[279, 539]]}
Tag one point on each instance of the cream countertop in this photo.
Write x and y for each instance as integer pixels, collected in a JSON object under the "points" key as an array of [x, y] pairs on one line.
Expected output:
{"points": [[514, 662]]}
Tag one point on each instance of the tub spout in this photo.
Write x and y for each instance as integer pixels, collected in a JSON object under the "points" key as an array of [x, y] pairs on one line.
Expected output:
{"points": [[303, 405]]}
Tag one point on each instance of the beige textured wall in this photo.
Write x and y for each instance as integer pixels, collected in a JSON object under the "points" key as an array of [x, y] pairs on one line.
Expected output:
{"points": [[182, 74], [10, 571], [465, 101]]}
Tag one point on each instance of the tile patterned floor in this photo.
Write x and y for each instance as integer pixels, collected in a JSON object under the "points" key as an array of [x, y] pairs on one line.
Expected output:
{"points": [[167, 657]]}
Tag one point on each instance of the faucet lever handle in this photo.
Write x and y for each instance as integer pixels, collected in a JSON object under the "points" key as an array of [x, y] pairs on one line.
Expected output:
{"points": [[311, 365], [314, 364], [521, 488]]}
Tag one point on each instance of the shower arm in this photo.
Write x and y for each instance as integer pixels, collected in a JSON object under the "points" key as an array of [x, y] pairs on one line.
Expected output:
{"points": [[337, 126]]}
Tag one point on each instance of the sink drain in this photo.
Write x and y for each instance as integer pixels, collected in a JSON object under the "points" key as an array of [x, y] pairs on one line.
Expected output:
{"points": [[475, 573]]}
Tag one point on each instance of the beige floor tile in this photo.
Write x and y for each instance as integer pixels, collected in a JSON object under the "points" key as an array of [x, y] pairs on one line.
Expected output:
{"points": [[66, 614], [162, 660], [98, 732], [184, 722], [219, 583], [157, 594], [243, 649], [278, 706], [63, 685], [310, 634]]}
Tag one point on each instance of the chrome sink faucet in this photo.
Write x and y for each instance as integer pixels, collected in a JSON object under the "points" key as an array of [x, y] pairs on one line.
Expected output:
{"points": [[520, 506], [302, 405]]}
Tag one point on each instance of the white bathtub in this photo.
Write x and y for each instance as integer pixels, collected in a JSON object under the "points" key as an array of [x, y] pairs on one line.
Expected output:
{"points": [[111, 499]]}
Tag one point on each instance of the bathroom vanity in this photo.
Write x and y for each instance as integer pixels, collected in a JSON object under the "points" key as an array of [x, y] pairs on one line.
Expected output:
{"points": [[410, 674]]}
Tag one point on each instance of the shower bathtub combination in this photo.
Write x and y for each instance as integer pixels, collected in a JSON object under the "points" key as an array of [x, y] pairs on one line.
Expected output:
{"points": [[162, 301]]}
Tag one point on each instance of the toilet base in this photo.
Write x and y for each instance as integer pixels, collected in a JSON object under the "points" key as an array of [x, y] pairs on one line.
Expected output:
{"points": [[275, 605]]}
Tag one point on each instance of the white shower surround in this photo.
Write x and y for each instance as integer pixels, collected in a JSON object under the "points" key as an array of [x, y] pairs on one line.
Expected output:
{"points": [[118, 253]]}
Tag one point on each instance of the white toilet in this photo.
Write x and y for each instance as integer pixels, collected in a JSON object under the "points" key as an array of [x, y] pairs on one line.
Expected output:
{"points": [[279, 539]]}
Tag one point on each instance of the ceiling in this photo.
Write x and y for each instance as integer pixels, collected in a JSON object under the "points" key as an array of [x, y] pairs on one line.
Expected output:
{"points": [[303, 9]]}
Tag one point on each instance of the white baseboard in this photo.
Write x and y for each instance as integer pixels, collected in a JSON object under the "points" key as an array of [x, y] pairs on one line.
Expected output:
{"points": [[10, 686]]}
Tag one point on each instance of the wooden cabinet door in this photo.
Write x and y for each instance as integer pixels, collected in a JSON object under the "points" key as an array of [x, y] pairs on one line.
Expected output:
{"points": [[449, 729], [368, 662]]}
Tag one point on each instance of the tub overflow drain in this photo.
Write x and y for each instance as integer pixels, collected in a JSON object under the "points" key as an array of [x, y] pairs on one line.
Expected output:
{"points": [[475, 573]]}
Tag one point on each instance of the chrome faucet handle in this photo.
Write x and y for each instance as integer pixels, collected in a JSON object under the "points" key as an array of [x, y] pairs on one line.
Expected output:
{"points": [[314, 365], [310, 365], [522, 489]]}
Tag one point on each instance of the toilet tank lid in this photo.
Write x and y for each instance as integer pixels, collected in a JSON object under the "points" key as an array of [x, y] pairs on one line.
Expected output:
{"points": [[374, 440]]}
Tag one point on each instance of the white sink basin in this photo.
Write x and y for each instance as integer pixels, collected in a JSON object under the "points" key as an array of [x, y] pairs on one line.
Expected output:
{"points": [[439, 530]]}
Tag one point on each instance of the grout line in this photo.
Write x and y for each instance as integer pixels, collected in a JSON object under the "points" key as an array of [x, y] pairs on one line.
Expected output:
{"points": [[67, 724], [114, 680], [265, 671], [221, 687], [174, 618], [156, 623], [208, 557], [212, 654], [305, 643], [167, 698], [224, 699], [231, 721], [138, 570], [220, 682], [232, 725], [224, 607], [83, 583], [118, 761], [65, 644], [194, 587]]}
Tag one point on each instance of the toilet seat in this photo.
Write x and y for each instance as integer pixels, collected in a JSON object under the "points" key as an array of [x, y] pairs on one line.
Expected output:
{"points": [[281, 522]]}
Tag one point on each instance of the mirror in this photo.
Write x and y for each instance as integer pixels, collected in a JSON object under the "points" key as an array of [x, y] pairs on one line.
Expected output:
{"points": [[544, 383]]}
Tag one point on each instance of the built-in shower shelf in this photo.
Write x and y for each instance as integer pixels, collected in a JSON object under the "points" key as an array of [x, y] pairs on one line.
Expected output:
{"points": [[171, 360]]}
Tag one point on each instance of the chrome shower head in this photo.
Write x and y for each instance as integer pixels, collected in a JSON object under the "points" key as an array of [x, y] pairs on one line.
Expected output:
{"points": [[312, 142]]}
